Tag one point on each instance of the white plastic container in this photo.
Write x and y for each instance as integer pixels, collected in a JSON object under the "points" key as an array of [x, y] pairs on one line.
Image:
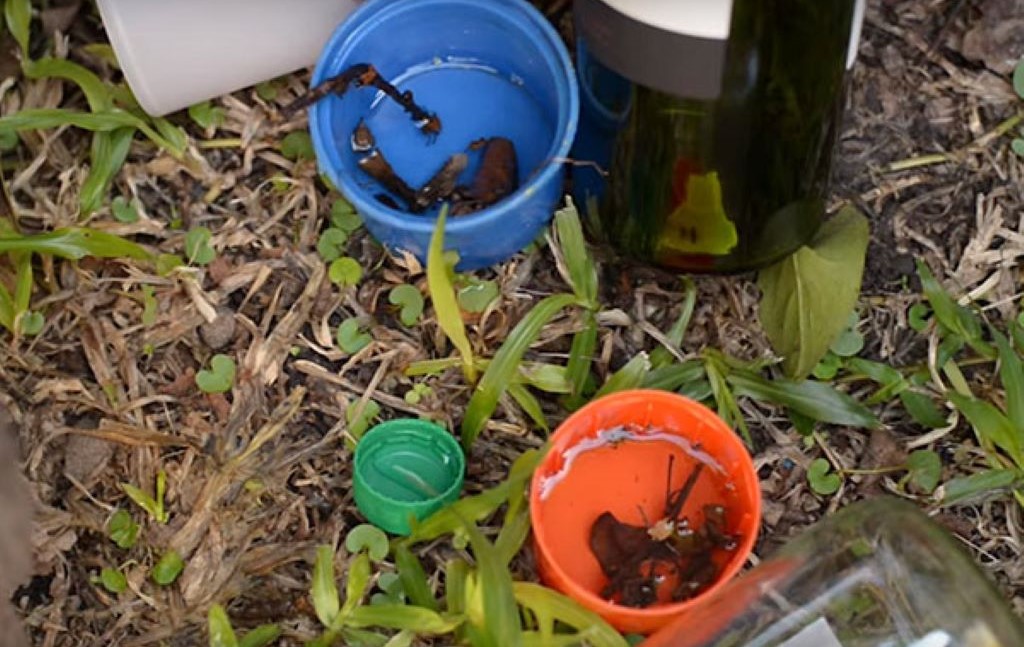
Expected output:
{"points": [[176, 53]]}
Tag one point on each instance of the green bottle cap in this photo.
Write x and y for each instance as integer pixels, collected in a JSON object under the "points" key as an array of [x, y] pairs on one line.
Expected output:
{"points": [[406, 468]]}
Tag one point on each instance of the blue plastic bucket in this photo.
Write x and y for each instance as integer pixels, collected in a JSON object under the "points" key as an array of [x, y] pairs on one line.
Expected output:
{"points": [[487, 68]]}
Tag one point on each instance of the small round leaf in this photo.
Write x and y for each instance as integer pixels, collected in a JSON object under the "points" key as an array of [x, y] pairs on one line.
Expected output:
{"points": [[345, 271], [168, 568], [370, 538], [220, 377], [411, 301], [822, 480]]}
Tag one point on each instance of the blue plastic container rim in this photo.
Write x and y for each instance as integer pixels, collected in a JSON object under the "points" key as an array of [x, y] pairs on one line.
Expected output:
{"points": [[376, 13]]}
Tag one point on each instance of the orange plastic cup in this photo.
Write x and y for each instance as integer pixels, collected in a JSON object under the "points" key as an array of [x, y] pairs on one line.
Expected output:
{"points": [[612, 455]]}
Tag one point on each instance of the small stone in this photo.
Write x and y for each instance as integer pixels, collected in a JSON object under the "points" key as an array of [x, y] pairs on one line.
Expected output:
{"points": [[84, 456], [219, 333]]}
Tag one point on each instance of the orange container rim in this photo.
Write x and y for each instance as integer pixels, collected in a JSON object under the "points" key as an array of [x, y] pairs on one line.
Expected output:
{"points": [[576, 427]]}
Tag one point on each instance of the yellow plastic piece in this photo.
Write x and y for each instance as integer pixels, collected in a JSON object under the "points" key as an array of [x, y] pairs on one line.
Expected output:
{"points": [[699, 225]]}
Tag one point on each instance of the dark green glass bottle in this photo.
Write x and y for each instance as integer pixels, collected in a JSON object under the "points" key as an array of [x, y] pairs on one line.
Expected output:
{"points": [[713, 123]]}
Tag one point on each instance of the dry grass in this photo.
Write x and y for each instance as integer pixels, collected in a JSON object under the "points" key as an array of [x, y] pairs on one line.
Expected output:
{"points": [[257, 477]]}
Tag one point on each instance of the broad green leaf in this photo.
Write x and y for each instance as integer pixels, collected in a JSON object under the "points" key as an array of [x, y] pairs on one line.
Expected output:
{"points": [[413, 577], [220, 377], [567, 611], [19, 16], [345, 271], [815, 400], [410, 300], [122, 529], [168, 568], [352, 337], [502, 369], [174, 135], [75, 244], [925, 468], [197, 246], [581, 357], [630, 376], [529, 404], [955, 318], [206, 115], [1011, 374], [808, 296], [963, 488], [821, 478], [324, 590], [848, 343], [478, 295], [357, 581], [661, 356], [344, 217], [297, 145], [923, 409], [261, 636], [400, 616], [219, 626], [891, 380], [124, 210], [673, 376], [544, 377], [97, 93], [113, 580], [456, 571], [578, 262], [332, 244], [990, 425], [442, 294], [369, 538]]}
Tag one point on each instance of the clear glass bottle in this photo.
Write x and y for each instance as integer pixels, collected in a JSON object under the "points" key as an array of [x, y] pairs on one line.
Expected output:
{"points": [[709, 125], [878, 573]]}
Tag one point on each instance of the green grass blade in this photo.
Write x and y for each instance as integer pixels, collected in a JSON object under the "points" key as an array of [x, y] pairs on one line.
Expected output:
{"points": [[6, 309], [499, 603], [661, 356], [990, 425], [22, 283], [219, 627], [19, 17], [108, 154], [413, 577], [529, 404], [598, 632], [630, 376], [75, 244], [502, 369], [513, 534], [578, 263], [326, 602], [97, 93], [673, 376], [357, 581], [456, 571], [581, 357], [46, 118], [1011, 374], [954, 317], [815, 400], [961, 489], [400, 616], [442, 294]]}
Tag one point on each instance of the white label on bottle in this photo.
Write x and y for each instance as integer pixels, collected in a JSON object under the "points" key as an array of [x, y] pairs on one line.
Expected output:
{"points": [[817, 634], [858, 24], [701, 18]]}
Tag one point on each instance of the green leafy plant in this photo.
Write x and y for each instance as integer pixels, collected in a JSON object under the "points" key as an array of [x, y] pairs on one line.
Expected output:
{"points": [[122, 529], [442, 294], [344, 217], [198, 250], [206, 115], [220, 377], [297, 145], [222, 634], [808, 296], [332, 244], [410, 301], [345, 271], [113, 580], [359, 418], [124, 210], [352, 336], [821, 477], [168, 568], [154, 505]]}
